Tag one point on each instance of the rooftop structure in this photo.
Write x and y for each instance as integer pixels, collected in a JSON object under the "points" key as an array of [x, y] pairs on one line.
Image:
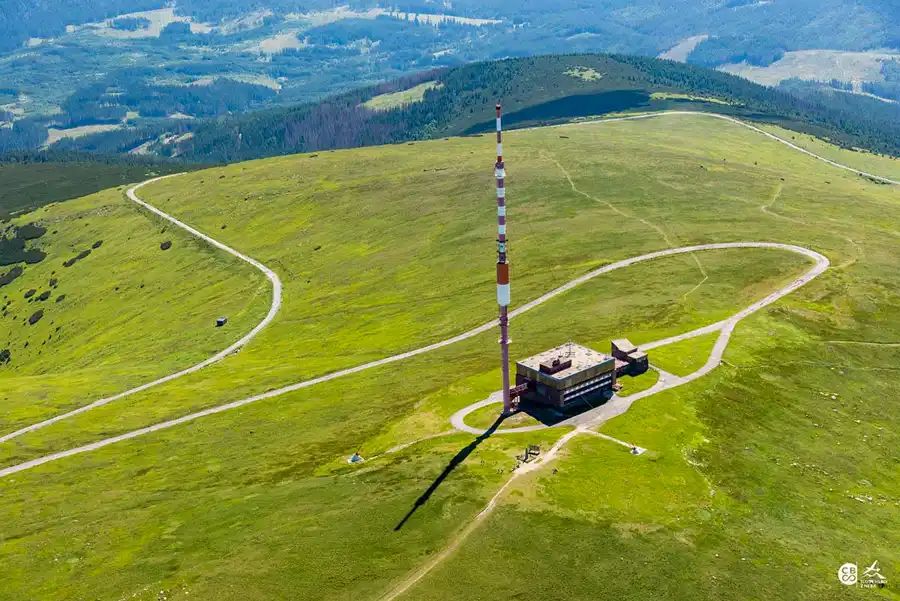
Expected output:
{"points": [[622, 346], [564, 360]]}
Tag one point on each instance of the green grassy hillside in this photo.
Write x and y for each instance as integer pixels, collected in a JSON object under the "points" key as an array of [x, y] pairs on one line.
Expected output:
{"points": [[883, 165], [387, 249], [124, 314]]}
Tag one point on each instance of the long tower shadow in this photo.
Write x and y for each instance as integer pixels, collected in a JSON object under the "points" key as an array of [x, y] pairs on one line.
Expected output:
{"points": [[454, 463]]}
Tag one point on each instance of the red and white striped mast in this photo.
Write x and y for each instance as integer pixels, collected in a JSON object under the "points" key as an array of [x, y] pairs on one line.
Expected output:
{"points": [[502, 267]]}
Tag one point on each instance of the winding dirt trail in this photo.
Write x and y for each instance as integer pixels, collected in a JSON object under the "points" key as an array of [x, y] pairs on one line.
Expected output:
{"points": [[789, 144], [725, 326], [276, 304], [584, 422], [618, 405], [273, 311]]}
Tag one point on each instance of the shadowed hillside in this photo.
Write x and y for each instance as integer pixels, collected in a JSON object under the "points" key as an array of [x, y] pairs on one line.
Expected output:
{"points": [[535, 91]]}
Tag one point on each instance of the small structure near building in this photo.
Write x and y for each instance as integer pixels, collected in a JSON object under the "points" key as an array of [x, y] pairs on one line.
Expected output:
{"points": [[221, 322], [565, 376], [531, 451], [630, 359]]}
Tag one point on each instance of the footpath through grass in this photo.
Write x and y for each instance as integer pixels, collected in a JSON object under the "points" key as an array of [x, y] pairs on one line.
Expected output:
{"points": [[124, 313]]}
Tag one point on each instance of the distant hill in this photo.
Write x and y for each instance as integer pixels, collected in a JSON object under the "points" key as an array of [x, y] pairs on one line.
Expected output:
{"points": [[126, 64], [535, 91]]}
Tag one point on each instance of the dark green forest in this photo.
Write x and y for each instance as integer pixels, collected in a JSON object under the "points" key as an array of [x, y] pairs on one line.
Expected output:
{"points": [[538, 90], [32, 179], [890, 87], [535, 91]]}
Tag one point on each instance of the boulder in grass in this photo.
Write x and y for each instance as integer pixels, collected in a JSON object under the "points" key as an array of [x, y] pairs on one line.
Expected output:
{"points": [[166, 245], [35, 317], [5, 356]]}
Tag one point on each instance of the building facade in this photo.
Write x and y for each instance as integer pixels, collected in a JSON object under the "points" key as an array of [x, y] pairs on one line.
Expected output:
{"points": [[565, 376]]}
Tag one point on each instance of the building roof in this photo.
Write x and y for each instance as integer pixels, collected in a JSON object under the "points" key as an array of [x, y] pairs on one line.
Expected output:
{"points": [[581, 357], [624, 345]]}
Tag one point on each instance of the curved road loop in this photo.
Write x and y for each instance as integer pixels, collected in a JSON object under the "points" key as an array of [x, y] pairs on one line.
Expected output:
{"points": [[273, 310], [276, 304], [618, 405], [725, 326]]}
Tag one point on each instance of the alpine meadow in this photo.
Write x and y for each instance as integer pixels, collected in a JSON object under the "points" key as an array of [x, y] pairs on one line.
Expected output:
{"points": [[557, 300], [328, 319]]}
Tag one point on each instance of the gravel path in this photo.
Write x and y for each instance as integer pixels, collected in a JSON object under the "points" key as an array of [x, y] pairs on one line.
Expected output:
{"points": [[885, 180], [276, 284], [273, 310], [613, 407], [618, 405], [460, 537]]}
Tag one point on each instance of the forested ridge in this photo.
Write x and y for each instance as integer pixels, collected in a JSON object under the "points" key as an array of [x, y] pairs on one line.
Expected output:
{"points": [[465, 96], [32, 179], [459, 101]]}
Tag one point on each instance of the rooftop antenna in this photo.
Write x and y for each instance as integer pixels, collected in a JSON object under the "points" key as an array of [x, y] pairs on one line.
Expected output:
{"points": [[502, 267]]}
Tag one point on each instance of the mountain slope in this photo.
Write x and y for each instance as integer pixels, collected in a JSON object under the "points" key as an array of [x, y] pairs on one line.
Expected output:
{"points": [[534, 90], [75, 324], [390, 248]]}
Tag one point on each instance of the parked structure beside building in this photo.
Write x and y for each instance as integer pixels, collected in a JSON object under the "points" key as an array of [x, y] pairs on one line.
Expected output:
{"points": [[629, 358]]}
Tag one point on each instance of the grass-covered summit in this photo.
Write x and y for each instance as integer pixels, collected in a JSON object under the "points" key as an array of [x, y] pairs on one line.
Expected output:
{"points": [[391, 248]]}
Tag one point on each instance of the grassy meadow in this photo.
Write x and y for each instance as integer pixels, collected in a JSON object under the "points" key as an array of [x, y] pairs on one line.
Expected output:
{"points": [[685, 357], [877, 164], [127, 313], [760, 479], [392, 100]]}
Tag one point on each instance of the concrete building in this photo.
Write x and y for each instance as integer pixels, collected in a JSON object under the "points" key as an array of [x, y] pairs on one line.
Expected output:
{"points": [[567, 375], [629, 358]]}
